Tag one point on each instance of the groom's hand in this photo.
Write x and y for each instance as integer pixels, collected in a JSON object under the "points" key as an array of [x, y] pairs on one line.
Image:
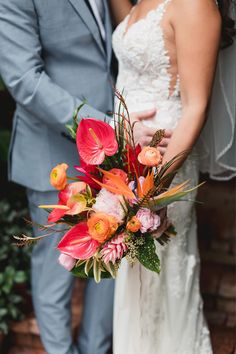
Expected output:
{"points": [[143, 135]]}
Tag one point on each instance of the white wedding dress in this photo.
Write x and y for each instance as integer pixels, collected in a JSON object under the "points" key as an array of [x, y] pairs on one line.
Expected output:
{"points": [[158, 314]]}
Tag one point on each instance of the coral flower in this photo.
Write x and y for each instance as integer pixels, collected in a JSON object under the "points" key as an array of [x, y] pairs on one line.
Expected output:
{"points": [[134, 224], [102, 226], [58, 177], [117, 172], [78, 243], [150, 156], [95, 140], [71, 202]]}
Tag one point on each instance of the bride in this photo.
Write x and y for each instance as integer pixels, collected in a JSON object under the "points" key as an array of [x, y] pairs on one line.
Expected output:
{"points": [[167, 51]]}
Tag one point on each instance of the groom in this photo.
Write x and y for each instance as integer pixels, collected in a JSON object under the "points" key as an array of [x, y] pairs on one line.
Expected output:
{"points": [[53, 54]]}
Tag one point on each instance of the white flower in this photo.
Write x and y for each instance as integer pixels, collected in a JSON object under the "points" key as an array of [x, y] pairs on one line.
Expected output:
{"points": [[110, 203]]}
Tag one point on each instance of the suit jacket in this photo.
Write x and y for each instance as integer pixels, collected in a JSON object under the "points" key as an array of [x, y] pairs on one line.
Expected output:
{"points": [[51, 59]]}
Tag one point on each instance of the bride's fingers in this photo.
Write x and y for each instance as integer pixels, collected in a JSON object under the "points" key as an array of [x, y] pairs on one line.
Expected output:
{"points": [[162, 150], [164, 142], [144, 141], [139, 116], [168, 133], [148, 131]]}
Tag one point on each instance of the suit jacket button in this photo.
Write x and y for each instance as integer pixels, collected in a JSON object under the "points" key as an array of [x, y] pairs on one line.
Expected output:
{"points": [[109, 112]]}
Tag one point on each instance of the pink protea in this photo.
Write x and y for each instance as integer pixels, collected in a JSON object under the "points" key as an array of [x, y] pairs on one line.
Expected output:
{"points": [[114, 249]]}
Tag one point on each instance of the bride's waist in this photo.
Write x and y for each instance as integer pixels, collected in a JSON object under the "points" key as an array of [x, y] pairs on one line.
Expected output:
{"points": [[141, 97], [168, 110]]}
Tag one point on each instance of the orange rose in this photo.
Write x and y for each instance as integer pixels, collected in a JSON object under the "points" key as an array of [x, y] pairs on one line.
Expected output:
{"points": [[150, 156], [102, 226], [134, 224], [58, 177]]}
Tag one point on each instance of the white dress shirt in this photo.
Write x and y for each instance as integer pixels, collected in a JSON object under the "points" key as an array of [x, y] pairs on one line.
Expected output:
{"points": [[99, 13]]}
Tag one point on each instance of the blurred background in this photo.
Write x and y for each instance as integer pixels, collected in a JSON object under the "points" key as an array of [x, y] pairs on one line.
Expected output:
{"points": [[217, 239]]}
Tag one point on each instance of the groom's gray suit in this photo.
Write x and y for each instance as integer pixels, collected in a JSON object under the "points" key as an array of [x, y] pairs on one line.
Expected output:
{"points": [[51, 58]]}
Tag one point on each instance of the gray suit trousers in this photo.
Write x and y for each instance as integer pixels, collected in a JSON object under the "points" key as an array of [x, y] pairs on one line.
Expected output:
{"points": [[52, 287]]}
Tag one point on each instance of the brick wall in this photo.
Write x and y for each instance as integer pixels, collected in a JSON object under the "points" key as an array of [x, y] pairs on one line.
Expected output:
{"points": [[217, 240]]}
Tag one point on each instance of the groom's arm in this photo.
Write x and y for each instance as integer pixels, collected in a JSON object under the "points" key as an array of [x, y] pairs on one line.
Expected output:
{"points": [[22, 67]]}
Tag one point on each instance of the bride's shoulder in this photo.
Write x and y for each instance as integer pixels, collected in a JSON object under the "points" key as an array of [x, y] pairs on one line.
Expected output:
{"points": [[197, 10], [195, 6]]}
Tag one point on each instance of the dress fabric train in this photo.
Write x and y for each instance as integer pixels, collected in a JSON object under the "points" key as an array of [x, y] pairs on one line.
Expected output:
{"points": [[158, 314]]}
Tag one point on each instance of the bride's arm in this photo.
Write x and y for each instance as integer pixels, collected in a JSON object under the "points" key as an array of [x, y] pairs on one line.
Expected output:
{"points": [[120, 9], [197, 28]]}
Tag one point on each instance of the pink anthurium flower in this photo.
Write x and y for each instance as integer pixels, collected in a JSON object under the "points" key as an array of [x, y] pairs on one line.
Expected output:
{"points": [[78, 243], [71, 202], [95, 140]]}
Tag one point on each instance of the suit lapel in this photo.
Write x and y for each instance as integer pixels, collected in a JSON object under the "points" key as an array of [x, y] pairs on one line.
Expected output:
{"points": [[108, 28], [85, 14]]}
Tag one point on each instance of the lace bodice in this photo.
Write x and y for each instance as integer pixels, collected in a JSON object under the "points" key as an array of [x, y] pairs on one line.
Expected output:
{"points": [[145, 66]]}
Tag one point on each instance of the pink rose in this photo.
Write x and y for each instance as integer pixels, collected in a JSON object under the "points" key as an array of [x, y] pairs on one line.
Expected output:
{"points": [[66, 261], [149, 220]]}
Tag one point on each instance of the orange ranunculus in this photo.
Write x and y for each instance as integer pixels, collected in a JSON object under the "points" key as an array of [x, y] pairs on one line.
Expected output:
{"points": [[134, 224], [150, 156], [102, 226], [58, 177]]}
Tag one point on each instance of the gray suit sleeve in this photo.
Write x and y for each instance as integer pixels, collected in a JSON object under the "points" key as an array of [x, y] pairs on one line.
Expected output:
{"points": [[22, 67]]}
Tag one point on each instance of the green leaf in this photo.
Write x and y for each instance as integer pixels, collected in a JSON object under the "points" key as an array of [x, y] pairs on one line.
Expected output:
{"points": [[79, 271], [97, 270], [147, 255], [15, 299], [72, 128], [88, 266], [158, 203], [20, 277], [3, 328], [3, 312]]}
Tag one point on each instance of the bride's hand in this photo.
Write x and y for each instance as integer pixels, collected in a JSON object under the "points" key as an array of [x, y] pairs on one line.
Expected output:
{"points": [[142, 134], [165, 141]]}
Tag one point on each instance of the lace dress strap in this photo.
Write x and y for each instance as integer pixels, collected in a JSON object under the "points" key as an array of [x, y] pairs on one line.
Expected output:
{"points": [[163, 6]]}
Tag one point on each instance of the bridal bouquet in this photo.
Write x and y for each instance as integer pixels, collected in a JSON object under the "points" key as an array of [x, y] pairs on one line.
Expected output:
{"points": [[116, 207]]}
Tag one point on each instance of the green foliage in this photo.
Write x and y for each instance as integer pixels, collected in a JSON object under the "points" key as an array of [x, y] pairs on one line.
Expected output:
{"points": [[14, 264], [80, 271], [72, 128], [147, 255]]}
